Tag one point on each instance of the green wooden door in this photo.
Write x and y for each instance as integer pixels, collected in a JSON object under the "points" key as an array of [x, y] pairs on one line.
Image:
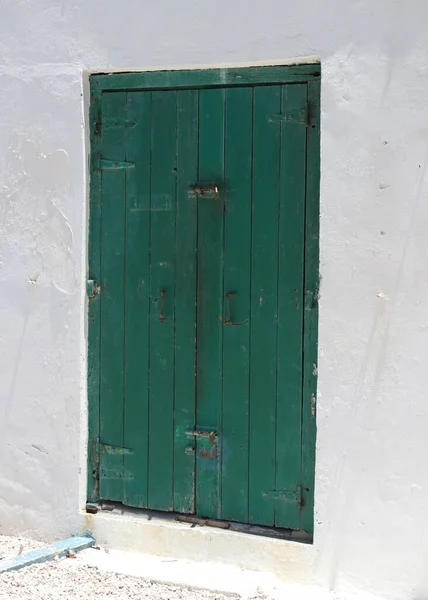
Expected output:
{"points": [[201, 301]]}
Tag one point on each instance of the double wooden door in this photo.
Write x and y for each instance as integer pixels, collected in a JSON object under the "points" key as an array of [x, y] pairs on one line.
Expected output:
{"points": [[201, 300]]}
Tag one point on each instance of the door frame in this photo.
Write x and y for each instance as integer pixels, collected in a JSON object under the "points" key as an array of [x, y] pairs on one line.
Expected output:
{"points": [[210, 78]]}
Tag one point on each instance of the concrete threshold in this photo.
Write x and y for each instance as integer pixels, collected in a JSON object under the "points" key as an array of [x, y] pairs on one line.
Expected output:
{"points": [[131, 530], [159, 548]]}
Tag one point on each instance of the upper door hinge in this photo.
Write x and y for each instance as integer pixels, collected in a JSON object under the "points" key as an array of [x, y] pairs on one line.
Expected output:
{"points": [[115, 164], [300, 116], [109, 449]]}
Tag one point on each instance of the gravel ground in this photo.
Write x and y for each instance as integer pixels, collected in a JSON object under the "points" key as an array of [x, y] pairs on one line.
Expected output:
{"points": [[68, 579], [11, 546]]}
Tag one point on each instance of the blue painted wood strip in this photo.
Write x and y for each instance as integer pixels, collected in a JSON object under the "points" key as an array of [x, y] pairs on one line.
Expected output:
{"points": [[62, 548]]}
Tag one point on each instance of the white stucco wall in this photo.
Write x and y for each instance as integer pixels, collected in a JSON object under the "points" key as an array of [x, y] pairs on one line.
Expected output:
{"points": [[372, 478]]}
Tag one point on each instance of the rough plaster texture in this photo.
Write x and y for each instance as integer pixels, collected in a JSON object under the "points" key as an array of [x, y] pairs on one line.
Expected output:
{"points": [[372, 480]]}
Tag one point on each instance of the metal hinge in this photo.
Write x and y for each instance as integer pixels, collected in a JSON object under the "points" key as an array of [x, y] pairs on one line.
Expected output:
{"points": [[113, 165], [92, 288], [115, 474], [97, 128], [300, 116], [293, 496], [109, 449]]}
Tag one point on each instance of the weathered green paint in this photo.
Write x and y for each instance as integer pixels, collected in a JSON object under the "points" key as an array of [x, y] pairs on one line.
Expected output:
{"points": [[210, 302], [112, 280], [264, 293], [197, 78], [162, 293], [291, 222], [137, 298], [236, 274], [185, 305], [203, 238]]}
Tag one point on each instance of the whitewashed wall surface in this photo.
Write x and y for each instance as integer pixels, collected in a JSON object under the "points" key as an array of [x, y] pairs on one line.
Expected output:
{"points": [[372, 477]]}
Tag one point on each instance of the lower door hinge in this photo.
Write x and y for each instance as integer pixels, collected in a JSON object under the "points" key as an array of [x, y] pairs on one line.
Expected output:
{"points": [[293, 496]]}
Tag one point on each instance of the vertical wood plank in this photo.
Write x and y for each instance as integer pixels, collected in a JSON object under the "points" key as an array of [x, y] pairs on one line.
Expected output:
{"points": [[310, 336], [237, 264], [264, 276], [94, 309], [210, 301], [290, 305], [137, 298], [163, 190], [112, 289], [185, 302]]}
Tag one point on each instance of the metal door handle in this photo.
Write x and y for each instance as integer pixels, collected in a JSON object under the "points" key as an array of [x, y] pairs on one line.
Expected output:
{"points": [[207, 190], [228, 319], [211, 435]]}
